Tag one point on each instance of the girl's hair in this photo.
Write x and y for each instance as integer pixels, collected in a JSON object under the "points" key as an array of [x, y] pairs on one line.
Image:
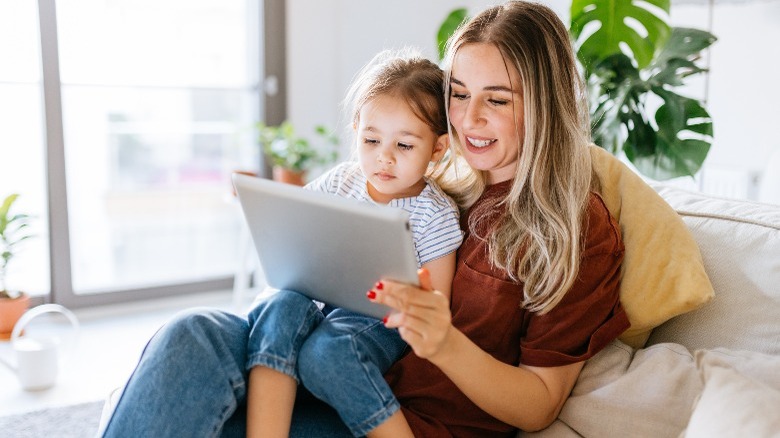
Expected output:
{"points": [[404, 74], [537, 240]]}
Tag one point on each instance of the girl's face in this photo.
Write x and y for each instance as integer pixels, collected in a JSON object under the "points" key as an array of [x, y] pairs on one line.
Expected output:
{"points": [[394, 148], [486, 110]]}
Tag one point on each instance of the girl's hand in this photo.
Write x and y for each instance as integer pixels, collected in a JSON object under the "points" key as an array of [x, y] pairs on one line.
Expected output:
{"points": [[423, 315]]}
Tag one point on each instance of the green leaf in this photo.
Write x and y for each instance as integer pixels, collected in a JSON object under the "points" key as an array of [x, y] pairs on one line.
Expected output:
{"points": [[610, 16], [684, 43], [448, 27], [683, 141]]}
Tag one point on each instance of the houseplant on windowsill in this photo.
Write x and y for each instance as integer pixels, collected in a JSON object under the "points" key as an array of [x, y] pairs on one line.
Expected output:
{"points": [[291, 155], [13, 231]]}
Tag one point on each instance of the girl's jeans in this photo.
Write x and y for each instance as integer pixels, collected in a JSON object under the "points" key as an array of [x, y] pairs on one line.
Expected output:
{"points": [[191, 379]]}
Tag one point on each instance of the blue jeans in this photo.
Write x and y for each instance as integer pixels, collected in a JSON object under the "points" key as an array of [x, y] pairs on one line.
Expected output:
{"points": [[339, 356], [191, 379]]}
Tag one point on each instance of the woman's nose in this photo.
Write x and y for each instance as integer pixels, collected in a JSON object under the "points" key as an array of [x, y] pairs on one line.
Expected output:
{"points": [[473, 116]]}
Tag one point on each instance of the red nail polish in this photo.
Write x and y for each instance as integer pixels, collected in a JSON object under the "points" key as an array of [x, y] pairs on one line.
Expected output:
{"points": [[384, 320], [379, 285], [371, 295]]}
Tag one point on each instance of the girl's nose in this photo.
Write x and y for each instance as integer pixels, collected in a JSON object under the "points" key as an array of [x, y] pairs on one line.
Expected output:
{"points": [[385, 155]]}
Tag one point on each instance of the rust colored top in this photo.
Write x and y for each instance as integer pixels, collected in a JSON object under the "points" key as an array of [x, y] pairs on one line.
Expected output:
{"points": [[486, 307]]}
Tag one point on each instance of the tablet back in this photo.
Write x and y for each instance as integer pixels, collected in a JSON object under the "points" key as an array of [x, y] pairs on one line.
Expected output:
{"points": [[324, 246]]}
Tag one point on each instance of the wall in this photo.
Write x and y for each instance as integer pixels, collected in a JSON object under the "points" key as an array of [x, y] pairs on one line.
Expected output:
{"points": [[328, 41]]}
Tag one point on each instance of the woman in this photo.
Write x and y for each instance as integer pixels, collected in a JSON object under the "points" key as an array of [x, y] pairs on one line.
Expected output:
{"points": [[535, 292]]}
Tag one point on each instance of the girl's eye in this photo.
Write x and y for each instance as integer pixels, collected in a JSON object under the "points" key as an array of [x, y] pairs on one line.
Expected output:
{"points": [[498, 102], [405, 147], [370, 141]]}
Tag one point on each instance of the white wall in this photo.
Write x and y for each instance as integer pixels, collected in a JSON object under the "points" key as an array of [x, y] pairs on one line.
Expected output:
{"points": [[328, 41], [744, 96]]}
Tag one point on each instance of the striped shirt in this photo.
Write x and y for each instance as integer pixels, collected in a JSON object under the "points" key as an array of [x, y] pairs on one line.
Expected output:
{"points": [[433, 216]]}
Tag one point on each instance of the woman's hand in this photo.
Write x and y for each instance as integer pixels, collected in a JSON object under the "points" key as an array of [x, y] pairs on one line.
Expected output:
{"points": [[423, 315]]}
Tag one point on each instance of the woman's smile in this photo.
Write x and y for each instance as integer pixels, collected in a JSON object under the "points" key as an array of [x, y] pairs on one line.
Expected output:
{"points": [[479, 143]]}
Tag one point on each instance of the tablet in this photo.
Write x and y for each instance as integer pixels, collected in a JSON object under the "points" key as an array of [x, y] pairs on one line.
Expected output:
{"points": [[329, 248]]}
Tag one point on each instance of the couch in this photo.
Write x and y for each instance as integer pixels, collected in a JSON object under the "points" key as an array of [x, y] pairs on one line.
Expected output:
{"points": [[710, 371], [702, 280]]}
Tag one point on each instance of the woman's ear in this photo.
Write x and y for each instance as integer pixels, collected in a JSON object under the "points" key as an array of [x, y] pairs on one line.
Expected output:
{"points": [[440, 147]]}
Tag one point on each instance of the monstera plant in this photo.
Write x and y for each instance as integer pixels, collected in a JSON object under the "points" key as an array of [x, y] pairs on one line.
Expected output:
{"points": [[634, 63], [635, 104]]}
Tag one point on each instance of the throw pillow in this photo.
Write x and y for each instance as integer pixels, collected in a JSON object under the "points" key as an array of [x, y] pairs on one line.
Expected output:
{"points": [[663, 274], [733, 404], [625, 392]]}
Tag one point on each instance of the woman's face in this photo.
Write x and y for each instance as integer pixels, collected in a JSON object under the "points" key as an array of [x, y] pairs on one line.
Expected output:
{"points": [[486, 110]]}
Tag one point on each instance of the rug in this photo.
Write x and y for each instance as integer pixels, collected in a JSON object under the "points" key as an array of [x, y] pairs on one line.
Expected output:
{"points": [[74, 421]]}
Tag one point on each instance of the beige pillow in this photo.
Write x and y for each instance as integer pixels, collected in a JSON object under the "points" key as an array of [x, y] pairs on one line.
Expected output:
{"points": [[625, 392], [662, 275], [733, 404], [652, 392]]}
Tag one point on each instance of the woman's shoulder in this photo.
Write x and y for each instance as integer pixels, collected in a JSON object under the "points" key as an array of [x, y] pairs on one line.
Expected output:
{"points": [[602, 231]]}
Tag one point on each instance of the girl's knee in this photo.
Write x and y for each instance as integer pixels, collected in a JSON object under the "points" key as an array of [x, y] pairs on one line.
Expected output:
{"points": [[281, 303], [322, 357]]}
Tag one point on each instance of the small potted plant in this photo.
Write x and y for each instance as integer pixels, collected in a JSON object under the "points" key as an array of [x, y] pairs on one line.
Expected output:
{"points": [[291, 155], [13, 231]]}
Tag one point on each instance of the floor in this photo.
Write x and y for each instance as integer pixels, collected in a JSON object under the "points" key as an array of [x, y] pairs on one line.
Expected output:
{"points": [[110, 341]]}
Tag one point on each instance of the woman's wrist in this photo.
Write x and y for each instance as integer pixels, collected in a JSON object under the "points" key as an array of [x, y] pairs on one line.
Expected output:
{"points": [[450, 348]]}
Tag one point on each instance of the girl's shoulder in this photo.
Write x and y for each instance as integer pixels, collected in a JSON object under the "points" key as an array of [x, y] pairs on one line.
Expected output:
{"points": [[436, 197]]}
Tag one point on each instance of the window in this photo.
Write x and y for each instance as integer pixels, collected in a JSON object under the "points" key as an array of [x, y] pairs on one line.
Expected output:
{"points": [[150, 105]]}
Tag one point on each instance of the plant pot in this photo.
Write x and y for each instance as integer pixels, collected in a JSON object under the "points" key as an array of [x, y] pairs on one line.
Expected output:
{"points": [[289, 176], [11, 309]]}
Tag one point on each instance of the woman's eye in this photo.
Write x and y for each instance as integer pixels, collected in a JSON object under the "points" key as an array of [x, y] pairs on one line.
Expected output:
{"points": [[370, 141], [459, 96], [405, 147], [498, 102]]}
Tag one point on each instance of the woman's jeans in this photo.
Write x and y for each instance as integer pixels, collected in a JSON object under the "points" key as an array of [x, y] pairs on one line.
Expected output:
{"points": [[191, 379]]}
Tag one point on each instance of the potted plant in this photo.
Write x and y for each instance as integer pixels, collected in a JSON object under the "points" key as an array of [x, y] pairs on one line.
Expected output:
{"points": [[13, 231], [634, 104], [291, 155]]}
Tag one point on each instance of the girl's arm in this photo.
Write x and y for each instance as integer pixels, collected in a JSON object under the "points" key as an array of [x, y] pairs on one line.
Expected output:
{"points": [[529, 398], [441, 272]]}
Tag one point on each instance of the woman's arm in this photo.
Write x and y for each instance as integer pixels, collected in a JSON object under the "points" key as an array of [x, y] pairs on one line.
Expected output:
{"points": [[526, 397], [529, 398]]}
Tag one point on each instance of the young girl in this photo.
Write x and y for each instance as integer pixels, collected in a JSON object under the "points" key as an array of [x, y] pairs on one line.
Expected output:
{"points": [[398, 115]]}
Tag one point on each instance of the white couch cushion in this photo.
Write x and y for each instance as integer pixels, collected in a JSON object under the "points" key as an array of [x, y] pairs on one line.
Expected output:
{"points": [[654, 391], [734, 402], [740, 246]]}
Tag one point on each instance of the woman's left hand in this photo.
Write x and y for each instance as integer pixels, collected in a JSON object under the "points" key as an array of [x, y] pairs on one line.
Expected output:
{"points": [[423, 315]]}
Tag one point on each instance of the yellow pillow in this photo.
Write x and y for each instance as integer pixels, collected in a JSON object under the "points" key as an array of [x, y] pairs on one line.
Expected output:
{"points": [[662, 274]]}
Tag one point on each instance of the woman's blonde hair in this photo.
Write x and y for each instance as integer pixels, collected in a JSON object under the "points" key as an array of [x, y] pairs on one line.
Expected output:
{"points": [[538, 238]]}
